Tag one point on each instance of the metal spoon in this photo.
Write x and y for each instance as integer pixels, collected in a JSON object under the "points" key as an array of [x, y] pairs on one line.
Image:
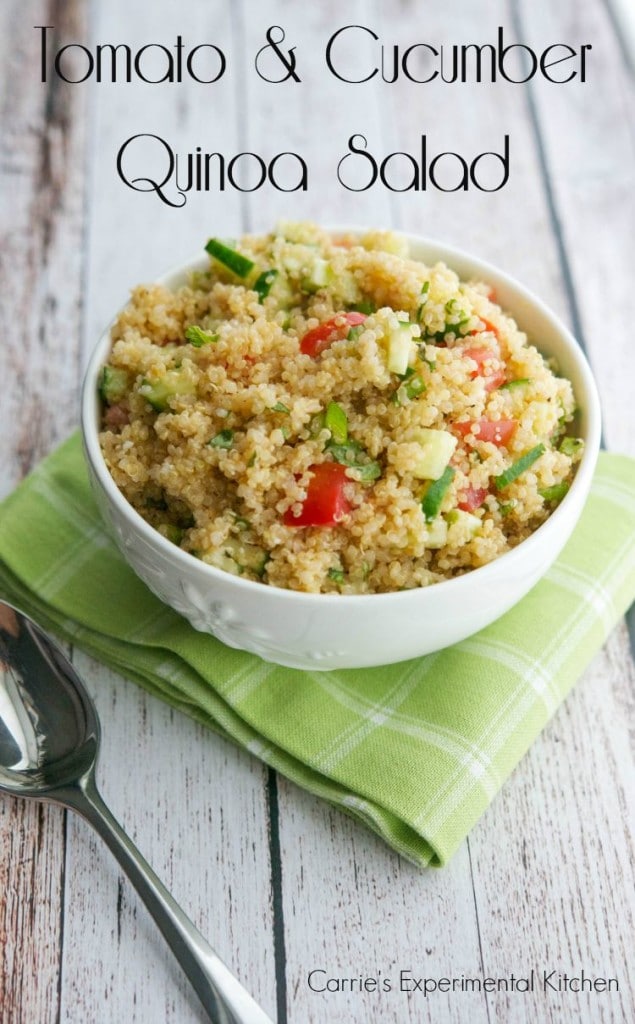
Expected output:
{"points": [[49, 742]]}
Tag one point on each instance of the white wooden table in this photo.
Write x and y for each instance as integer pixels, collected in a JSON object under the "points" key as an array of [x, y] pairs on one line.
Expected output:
{"points": [[281, 883]]}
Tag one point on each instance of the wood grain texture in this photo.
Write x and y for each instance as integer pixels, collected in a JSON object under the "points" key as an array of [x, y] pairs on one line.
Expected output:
{"points": [[41, 265], [280, 882]]}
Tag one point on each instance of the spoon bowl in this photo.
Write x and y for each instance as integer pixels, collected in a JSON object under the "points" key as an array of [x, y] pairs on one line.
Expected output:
{"points": [[49, 744]]}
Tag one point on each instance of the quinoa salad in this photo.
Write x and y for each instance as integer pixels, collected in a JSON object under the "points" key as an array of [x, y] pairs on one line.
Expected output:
{"points": [[323, 413]]}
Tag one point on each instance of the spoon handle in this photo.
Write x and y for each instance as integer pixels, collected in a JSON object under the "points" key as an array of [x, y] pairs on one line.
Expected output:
{"points": [[222, 995]]}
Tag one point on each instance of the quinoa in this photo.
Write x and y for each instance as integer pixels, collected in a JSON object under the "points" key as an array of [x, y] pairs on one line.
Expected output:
{"points": [[325, 414]]}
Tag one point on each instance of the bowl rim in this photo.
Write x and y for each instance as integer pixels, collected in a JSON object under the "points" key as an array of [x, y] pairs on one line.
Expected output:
{"points": [[446, 253]]}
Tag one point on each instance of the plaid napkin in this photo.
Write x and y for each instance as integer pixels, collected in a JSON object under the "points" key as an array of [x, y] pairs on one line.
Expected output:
{"points": [[415, 750]]}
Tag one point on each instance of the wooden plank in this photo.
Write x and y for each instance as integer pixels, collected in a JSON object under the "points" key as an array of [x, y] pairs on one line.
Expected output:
{"points": [[41, 190], [40, 259], [557, 893], [568, 873], [195, 805], [589, 142]]}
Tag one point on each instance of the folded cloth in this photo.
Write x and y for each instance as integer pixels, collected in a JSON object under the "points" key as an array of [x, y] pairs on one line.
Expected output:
{"points": [[416, 750]]}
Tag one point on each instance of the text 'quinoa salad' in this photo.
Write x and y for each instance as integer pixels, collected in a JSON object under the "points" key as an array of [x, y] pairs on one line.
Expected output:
{"points": [[321, 412]]}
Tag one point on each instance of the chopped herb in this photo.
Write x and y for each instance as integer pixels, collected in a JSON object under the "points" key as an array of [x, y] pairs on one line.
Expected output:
{"points": [[198, 337], [368, 470], [286, 432], [336, 574], [336, 421], [224, 439], [435, 493], [264, 282], [230, 258], [280, 407], [520, 466], [555, 493], [571, 445], [511, 384], [353, 455], [252, 460]]}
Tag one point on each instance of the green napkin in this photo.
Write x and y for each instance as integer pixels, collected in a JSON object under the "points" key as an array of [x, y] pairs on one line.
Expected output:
{"points": [[416, 750]]}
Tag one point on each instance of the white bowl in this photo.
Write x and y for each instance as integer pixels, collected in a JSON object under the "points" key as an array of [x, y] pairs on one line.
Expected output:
{"points": [[324, 631]]}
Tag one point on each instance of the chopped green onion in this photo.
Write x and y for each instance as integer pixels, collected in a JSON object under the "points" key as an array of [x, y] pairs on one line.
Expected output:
{"points": [[280, 407], [264, 282], [317, 424], [555, 493], [414, 386], [355, 332], [511, 384], [198, 337], [224, 439], [435, 493], [230, 258], [505, 507], [336, 421], [571, 445], [363, 307], [424, 298], [336, 574], [518, 467]]}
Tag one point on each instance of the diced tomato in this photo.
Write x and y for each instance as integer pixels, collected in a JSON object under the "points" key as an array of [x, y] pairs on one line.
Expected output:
{"points": [[325, 503], [489, 326], [498, 432], [315, 341], [491, 294], [493, 378], [472, 498]]}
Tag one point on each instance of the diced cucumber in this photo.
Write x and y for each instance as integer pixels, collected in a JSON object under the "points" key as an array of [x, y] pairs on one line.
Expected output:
{"points": [[554, 493], [436, 535], [171, 532], [462, 526], [320, 275], [571, 445], [400, 349], [230, 258], [159, 392], [113, 384], [236, 557], [437, 448]]}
